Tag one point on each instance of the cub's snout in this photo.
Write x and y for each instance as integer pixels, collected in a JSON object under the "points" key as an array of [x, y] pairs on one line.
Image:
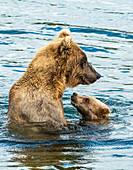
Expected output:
{"points": [[74, 98]]}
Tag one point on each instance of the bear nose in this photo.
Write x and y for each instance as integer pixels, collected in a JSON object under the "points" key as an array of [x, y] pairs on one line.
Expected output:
{"points": [[98, 76], [74, 94]]}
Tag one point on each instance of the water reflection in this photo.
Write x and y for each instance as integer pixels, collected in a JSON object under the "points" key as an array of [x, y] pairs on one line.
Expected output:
{"points": [[57, 155], [74, 147], [62, 148]]}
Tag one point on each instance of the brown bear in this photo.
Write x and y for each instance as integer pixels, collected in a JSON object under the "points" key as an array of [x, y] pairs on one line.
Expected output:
{"points": [[90, 108], [37, 95]]}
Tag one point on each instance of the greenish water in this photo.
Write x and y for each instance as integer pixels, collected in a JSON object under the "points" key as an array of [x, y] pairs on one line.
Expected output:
{"points": [[104, 30]]}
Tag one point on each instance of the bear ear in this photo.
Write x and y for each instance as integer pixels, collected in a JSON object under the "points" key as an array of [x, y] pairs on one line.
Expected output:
{"points": [[65, 46], [105, 111], [64, 33]]}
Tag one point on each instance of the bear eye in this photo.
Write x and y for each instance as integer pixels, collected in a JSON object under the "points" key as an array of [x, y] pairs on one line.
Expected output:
{"points": [[83, 62], [86, 100]]}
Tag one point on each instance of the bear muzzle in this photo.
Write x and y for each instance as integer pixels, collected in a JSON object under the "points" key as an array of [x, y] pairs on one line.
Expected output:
{"points": [[98, 76], [74, 101]]}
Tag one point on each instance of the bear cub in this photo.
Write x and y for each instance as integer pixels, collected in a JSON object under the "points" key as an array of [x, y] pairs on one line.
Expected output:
{"points": [[90, 108]]}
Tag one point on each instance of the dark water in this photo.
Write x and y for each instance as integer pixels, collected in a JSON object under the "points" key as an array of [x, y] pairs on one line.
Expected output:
{"points": [[104, 30]]}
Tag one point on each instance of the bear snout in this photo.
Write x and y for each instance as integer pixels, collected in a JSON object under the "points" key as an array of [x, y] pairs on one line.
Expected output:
{"points": [[74, 99], [98, 76], [74, 94]]}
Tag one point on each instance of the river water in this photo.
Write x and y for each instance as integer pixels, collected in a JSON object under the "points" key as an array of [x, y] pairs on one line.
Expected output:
{"points": [[104, 30]]}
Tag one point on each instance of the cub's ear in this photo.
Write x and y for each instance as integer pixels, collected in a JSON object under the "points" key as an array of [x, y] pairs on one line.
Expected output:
{"points": [[105, 110], [65, 45], [64, 33]]}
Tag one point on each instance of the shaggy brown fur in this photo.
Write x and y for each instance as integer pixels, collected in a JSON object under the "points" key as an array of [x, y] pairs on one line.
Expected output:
{"points": [[37, 96], [90, 108]]}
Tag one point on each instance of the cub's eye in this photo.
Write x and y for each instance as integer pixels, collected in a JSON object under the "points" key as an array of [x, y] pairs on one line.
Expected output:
{"points": [[86, 100]]}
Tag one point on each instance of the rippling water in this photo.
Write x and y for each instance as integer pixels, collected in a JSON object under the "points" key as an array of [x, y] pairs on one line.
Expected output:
{"points": [[104, 30]]}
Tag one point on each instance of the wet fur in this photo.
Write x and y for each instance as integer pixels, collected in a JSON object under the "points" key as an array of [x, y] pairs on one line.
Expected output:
{"points": [[37, 96], [90, 108]]}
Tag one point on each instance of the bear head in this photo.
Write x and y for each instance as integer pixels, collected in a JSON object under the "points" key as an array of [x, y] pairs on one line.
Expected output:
{"points": [[90, 108], [78, 69], [62, 63]]}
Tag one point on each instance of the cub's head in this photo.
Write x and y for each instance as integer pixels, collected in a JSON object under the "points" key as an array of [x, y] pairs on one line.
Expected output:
{"points": [[78, 69], [90, 108]]}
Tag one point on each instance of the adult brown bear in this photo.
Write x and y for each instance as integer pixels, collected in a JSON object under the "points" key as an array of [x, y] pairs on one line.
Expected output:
{"points": [[37, 96]]}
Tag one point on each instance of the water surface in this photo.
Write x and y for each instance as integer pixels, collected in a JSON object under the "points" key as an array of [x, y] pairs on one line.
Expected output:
{"points": [[104, 30]]}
